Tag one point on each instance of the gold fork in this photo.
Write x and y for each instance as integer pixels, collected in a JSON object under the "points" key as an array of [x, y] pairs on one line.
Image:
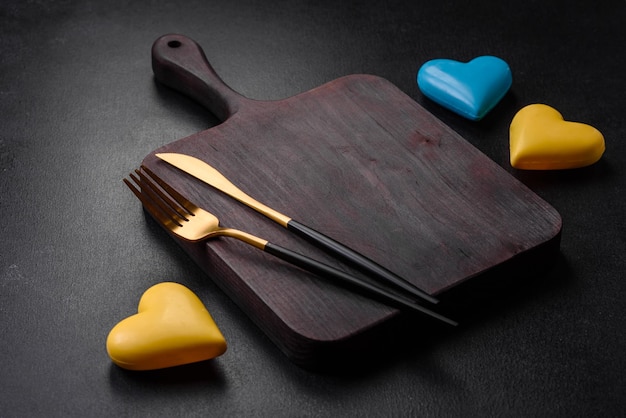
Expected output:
{"points": [[191, 223]]}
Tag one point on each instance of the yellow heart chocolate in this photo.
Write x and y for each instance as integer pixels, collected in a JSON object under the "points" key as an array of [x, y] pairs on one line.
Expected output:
{"points": [[540, 139], [172, 328]]}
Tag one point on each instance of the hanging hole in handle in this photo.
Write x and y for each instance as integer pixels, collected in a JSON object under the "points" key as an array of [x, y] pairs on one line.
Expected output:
{"points": [[174, 44]]}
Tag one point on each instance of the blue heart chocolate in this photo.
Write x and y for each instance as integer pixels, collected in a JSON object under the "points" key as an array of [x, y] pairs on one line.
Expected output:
{"points": [[470, 89]]}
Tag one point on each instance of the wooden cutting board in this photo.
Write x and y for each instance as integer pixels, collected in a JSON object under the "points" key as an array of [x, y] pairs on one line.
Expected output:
{"points": [[360, 161]]}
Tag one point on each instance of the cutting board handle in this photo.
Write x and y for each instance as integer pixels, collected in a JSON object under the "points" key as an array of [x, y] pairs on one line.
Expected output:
{"points": [[179, 63]]}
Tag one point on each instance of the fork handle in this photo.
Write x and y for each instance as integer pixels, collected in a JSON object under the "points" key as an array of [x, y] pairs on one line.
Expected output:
{"points": [[356, 259], [327, 271]]}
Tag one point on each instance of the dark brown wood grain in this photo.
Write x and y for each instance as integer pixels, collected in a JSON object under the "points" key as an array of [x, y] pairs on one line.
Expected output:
{"points": [[360, 161]]}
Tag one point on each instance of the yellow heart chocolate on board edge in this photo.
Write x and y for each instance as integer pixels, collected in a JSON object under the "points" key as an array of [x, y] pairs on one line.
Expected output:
{"points": [[540, 139], [171, 328]]}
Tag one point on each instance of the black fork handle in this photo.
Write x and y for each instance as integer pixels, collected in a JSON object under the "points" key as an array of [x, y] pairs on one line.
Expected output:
{"points": [[324, 270], [357, 260]]}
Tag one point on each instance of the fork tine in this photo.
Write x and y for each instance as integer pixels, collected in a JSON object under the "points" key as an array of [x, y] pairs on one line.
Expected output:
{"points": [[166, 210], [180, 199], [148, 203], [165, 202]]}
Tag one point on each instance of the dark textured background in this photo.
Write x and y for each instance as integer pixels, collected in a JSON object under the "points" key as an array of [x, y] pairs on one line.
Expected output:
{"points": [[80, 109]]}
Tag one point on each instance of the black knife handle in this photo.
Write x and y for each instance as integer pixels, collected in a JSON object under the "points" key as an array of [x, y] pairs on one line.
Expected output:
{"points": [[324, 270], [356, 259]]}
